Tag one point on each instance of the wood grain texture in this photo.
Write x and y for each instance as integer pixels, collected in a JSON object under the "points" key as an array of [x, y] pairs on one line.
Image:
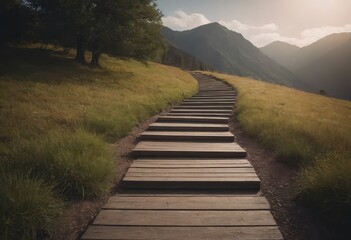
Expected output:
{"points": [[188, 149], [183, 233], [192, 119], [184, 218], [188, 127], [190, 203], [187, 136]]}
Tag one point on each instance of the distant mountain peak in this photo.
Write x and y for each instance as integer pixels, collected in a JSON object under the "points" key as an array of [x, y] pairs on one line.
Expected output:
{"points": [[280, 43], [228, 51]]}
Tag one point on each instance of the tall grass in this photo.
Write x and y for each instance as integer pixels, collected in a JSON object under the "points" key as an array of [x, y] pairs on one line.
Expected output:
{"points": [[308, 130], [27, 205], [58, 120], [77, 164]]}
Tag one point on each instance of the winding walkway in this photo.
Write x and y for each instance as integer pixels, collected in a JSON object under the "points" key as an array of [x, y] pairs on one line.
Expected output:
{"points": [[189, 180]]}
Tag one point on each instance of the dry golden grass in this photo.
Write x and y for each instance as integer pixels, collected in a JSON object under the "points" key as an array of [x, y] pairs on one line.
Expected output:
{"points": [[58, 119], [306, 129]]}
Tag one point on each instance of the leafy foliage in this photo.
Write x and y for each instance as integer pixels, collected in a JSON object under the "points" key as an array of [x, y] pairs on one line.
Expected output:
{"points": [[124, 28]]}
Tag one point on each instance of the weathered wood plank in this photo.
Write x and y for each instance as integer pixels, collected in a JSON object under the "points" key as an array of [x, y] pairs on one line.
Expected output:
{"points": [[232, 183], [192, 119], [200, 114], [184, 218], [192, 170], [190, 203], [207, 103], [188, 149], [205, 107], [184, 233], [187, 136], [188, 127], [200, 111]]}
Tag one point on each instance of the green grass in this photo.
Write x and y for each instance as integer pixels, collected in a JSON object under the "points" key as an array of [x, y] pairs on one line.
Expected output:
{"points": [[27, 205], [59, 118], [77, 164], [306, 130]]}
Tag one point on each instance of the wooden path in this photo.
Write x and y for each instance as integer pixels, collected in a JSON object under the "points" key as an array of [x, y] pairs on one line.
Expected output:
{"points": [[189, 149]]}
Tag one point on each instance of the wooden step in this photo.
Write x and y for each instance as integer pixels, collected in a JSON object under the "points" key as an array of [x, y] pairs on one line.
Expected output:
{"points": [[191, 163], [230, 107], [201, 111], [185, 217], [160, 202], [187, 149], [219, 89], [209, 99], [200, 114], [187, 136], [215, 95], [191, 174], [188, 127], [205, 103], [96, 232], [213, 98], [192, 119]]}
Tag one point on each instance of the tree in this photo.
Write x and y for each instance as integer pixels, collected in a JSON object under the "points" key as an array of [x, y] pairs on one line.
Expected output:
{"points": [[124, 27], [15, 20]]}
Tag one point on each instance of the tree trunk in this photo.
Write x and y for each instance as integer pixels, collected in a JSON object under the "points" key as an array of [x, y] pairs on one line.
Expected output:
{"points": [[95, 55], [80, 55]]}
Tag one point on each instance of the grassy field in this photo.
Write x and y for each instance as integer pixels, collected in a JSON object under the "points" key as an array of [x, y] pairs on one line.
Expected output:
{"points": [[58, 120], [307, 130]]}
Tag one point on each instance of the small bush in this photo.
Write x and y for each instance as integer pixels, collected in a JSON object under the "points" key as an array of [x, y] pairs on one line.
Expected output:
{"points": [[78, 164], [26, 206]]}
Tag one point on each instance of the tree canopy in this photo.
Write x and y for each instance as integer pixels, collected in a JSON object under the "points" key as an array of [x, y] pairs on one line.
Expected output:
{"points": [[120, 27]]}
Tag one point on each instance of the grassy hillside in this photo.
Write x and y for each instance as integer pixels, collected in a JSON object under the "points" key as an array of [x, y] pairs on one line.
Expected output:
{"points": [[309, 130], [58, 119]]}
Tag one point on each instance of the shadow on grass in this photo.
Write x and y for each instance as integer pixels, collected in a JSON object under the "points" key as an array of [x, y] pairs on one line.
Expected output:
{"points": [[51, 66]]}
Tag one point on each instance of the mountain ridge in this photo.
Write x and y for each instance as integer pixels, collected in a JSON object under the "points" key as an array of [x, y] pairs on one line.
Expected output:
{"points": [[322, 65], [228, 51]]}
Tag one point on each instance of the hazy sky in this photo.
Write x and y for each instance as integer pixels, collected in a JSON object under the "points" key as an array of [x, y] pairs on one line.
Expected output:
{"points": [[299, 22]]}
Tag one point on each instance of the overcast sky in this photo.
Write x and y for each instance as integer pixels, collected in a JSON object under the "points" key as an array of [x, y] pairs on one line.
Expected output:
{"points": [[298, 22]]}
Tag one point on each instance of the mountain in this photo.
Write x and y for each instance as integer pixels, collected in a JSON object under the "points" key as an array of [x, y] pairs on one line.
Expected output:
{"points": [[323, 65], [228, 52], [281, 53], [330, 72], [178, 58]]}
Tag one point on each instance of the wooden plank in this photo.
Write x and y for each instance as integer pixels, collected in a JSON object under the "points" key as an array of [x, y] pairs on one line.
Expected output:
{"points": [[207, 103], [184, 233], [188, 127], [184, 218], [188, 165], [191, 174], [192, 119], [187, 149], [229, 183], [200, 114], [191, 170], [189, 100], [186, 146], [187, 136], [200, 111], [193, 160], [189, 203], [205, 107]]}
